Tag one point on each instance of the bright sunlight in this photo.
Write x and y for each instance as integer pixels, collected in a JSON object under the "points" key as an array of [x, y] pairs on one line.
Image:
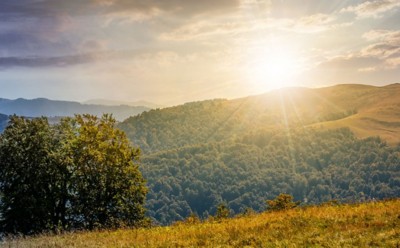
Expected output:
{"points": [[272, 67]]}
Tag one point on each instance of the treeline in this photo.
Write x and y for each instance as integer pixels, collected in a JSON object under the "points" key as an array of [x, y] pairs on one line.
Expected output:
{"points": [[313, 166], [81, 173], [221, 120]]}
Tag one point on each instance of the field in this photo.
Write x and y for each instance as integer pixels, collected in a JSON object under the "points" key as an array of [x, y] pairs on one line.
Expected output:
{"points": [[374, 224]]}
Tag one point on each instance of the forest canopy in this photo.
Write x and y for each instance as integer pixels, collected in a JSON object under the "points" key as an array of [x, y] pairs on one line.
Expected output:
{"points": [[242, 152]]}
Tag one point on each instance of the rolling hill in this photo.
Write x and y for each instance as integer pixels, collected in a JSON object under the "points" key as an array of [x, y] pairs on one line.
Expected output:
{"points": [[45, 107], [312, 143], [378, 110], [366, 110]]}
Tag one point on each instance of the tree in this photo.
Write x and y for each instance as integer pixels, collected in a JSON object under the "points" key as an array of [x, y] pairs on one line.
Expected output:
{"points": [[80, 173], [29, 176], [223, 211], [282, 202], [107, 187]]}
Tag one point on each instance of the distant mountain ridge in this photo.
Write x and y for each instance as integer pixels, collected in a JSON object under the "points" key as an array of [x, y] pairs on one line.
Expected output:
{"points": [[51, 108], [107, 102]]}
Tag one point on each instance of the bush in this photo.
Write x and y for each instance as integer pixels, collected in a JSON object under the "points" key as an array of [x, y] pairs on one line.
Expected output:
{"points": [[282, 202]]}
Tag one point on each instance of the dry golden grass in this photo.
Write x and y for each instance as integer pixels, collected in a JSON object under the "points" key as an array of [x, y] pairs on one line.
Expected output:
{"points": [[375, 224], [378, 110]]}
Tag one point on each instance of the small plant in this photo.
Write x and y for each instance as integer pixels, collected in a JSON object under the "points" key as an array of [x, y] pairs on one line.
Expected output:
{"points": [[282, 202], [192, 219], [248, 212], [223, 212]]}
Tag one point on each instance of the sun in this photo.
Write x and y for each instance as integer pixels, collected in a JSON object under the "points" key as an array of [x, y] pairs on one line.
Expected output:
{"points": [[273, 66]]}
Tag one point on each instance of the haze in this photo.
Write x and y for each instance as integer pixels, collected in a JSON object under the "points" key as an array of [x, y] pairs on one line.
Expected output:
{"points": [[174, 51]]}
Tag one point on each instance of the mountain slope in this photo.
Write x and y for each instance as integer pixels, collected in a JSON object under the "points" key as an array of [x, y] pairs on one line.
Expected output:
{"points": [[370, 111], [378, 112], [45, 107], [240, 152]]}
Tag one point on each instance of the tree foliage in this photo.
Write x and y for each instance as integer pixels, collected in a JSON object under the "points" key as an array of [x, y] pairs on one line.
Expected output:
{"points": [[282, 202], [76, 174], [223, 211], [311, 165]]}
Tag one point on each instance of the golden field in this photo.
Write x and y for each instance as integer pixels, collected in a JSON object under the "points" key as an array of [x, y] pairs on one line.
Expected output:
{"points": [[374, 224]]}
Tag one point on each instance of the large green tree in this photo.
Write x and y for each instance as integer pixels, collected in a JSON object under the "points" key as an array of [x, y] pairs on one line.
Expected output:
{"points": [[27, 173], [80, 173], [107, 187]]}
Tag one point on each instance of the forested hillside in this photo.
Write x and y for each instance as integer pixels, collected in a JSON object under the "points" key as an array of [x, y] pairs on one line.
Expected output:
{"points": [[297, 141], [312, 166], [367, 110]]}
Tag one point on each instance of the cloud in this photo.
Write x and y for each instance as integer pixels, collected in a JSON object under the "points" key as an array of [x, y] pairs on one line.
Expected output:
{"points": [[388, 36], [141, 58], [67, 60], [382, 55], [47, 8], [386, 47], [351, 62], [374, 9], [204, 29], [33, 62], [315, 23]]}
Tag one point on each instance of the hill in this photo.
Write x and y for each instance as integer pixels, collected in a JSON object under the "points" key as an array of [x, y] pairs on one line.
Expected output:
{"points": [[242, 151], [45, 107], [374, 224], [366, 110], [378, 111], [119, 103]]}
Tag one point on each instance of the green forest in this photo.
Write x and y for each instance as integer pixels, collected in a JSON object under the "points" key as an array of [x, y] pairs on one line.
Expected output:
{"points": [[313, 166], [244, 151]]}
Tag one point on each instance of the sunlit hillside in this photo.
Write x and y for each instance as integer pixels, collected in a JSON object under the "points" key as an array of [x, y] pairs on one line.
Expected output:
{"points": [[366, 110], [311, 143], [374, 224], [378, 110]]}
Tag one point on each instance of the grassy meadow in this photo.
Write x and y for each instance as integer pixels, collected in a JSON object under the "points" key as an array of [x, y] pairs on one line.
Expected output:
{"points": [[374, 224]]}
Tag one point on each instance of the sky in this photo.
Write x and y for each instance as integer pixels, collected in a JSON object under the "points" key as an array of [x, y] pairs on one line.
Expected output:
{"points": [[174, 51]]}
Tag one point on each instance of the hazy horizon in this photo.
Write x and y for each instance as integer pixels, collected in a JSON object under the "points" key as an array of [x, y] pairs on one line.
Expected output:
{"points": [[116, 102], [172, 52]]}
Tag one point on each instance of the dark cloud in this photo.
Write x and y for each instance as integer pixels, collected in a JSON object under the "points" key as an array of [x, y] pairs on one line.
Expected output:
{"points": [[25, 42], [57, 27], [48, 8], [9, 62], [70, 60]]}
